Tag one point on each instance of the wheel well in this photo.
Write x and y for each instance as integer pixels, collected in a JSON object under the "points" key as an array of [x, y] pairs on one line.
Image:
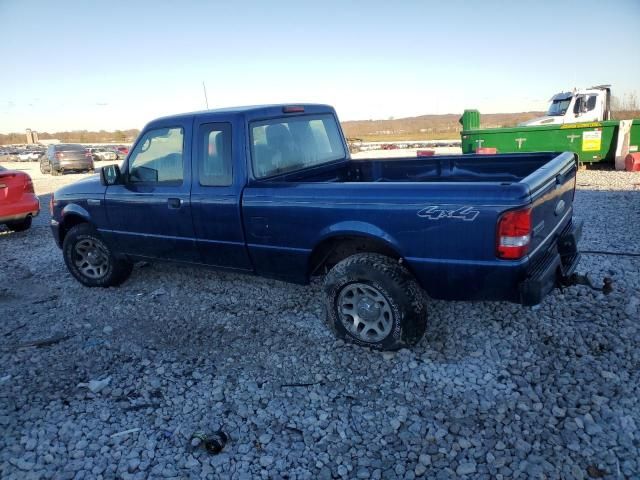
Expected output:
{"points": [[69, 221], [333, 250]]}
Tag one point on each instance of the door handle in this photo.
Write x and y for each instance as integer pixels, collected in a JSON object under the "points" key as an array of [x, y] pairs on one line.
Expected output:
{"points": [[174, 202]]}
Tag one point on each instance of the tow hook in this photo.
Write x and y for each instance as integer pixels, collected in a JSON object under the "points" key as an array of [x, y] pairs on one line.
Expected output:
{"points": [[580, 279]]}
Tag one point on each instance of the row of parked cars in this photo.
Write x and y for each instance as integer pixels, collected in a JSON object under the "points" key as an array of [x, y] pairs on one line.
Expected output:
{"points": [[34, 154], [13, 154]]}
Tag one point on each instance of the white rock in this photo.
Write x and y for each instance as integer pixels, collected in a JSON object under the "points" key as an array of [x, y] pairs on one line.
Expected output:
{"points": [[96, 385]]}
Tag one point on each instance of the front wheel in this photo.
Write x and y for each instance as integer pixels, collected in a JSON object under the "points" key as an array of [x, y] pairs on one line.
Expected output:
{"points": [[372, 300], [90, 260]]}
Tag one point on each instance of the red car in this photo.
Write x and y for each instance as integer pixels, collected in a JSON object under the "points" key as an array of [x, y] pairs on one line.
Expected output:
{"points": [[18, 201]]}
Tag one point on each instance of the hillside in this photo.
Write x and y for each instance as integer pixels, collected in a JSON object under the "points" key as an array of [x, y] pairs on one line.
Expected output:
{"points": [[426, 127]]}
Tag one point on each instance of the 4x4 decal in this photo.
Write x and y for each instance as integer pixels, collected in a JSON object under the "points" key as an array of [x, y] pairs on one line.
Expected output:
{"points": [[435, 212]]}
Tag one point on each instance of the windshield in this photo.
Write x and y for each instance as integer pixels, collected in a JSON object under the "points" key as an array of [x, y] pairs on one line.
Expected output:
{"points": [[559, 107], [286, 144]]}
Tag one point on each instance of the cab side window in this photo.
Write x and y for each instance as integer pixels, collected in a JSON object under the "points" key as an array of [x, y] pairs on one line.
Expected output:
{"points": [[585, 103], [157, 157], [215, 167]]}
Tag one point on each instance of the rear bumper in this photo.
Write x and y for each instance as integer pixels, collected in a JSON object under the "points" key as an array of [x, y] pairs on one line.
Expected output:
{"points": [[555, 265], [75, 164]]}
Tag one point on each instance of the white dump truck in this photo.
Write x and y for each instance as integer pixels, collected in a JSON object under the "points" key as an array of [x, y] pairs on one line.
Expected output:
{"points": [[580, 105]]}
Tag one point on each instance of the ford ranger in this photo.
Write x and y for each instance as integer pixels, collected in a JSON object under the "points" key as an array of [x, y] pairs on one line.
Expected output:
{"points": [[272, 191]]}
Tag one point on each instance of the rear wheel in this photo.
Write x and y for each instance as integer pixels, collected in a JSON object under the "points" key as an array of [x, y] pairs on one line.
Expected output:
{"points": [[372, 300], [90, 260], [54, 171], [42, 169], [20, 225]]}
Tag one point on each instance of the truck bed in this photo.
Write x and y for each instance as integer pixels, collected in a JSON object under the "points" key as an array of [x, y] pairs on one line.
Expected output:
{"points": [[439, 214], [447, 168]]}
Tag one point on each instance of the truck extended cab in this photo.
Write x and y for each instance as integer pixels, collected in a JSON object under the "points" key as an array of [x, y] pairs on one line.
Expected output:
{"points": [[272, 191]]}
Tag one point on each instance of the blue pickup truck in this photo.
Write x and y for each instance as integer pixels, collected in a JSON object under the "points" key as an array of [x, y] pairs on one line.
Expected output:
{"points": [[272, 191]]}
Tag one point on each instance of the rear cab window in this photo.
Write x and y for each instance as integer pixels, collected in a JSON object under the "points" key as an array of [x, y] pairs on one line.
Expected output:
{"points": [[215, 167], [286, 144]]}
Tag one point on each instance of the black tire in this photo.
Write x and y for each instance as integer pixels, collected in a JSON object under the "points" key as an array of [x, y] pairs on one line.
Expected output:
{"points": [[20, 225], [405, 306], [54, 171], [116, 270]]}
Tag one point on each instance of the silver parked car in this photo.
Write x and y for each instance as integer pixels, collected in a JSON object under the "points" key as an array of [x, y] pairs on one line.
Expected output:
{"points": [[66, 157]]}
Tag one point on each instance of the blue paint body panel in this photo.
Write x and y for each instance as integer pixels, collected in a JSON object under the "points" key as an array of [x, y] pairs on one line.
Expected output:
{"points": [[439, 214]]}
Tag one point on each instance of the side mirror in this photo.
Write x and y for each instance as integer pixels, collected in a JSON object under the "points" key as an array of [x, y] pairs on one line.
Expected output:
{"points": [[110, 175]]}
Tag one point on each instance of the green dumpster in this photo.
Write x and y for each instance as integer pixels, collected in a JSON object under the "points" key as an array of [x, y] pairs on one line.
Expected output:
{"points": [[592, 141]]}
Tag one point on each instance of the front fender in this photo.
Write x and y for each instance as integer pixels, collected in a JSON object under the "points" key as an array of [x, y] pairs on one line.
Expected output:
{"points": [[70, 215], [74, 209]]}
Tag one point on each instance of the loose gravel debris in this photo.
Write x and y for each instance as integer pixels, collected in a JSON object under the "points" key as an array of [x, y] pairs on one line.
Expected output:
{"points": [[494, 390]]}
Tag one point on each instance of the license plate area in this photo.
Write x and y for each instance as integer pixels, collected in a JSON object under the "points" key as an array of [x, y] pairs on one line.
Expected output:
{"points": [[567, 244]]}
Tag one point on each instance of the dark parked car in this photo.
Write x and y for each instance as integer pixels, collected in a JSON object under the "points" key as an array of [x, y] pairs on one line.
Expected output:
{"points": [[65, 157], [272, 191]]}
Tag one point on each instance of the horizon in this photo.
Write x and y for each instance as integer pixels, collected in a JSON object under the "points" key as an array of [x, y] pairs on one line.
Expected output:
{"points": [[438, 60]]}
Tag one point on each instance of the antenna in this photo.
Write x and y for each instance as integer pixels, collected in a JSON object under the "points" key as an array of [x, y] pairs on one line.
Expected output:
{"points": [[205, 94]]}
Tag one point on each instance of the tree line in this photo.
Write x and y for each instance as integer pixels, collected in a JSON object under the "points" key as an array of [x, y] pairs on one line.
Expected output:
{"points": [[75, 136]]}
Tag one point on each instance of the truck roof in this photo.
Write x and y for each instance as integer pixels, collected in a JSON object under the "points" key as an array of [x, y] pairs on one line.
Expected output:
{"points": [[253, 112]]}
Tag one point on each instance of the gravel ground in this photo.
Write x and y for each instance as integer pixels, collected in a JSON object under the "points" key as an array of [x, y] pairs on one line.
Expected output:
{"points": [[494, 390]]}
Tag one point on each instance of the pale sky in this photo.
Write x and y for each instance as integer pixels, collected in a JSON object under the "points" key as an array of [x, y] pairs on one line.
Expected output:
{"points": [[118, 64]]}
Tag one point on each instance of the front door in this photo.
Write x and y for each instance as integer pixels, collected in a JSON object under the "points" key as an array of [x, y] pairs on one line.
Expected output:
{"points": [[150, 213]]}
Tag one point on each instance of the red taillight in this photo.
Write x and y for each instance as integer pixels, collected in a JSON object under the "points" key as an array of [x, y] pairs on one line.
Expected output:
{"points": [[514, 234], [59, 155], [28, 185], [87, 154]]}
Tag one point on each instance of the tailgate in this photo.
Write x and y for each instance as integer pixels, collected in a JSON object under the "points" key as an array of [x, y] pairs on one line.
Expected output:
{"points": [[551, 188]]}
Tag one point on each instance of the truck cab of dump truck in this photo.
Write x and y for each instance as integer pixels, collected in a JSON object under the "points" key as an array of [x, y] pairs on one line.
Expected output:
{"points": [[578, 106]]}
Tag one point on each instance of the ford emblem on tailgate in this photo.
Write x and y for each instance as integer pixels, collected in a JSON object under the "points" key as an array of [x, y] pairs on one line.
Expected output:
{"points": [[559, 207]]}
